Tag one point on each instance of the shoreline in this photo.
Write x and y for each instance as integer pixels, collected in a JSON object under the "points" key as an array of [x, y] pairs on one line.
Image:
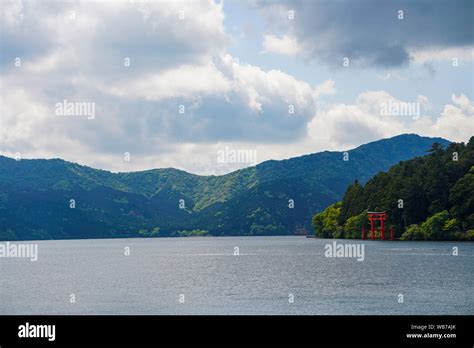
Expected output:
{"points": [[229, 236]]}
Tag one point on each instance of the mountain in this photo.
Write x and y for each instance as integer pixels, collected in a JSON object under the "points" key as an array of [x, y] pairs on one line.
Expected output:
{"points": [[426, 198], [55, 199]]}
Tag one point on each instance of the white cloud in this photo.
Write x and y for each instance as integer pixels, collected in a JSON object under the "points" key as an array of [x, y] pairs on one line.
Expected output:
{"points": [[456, 122], [369, 32], [185, 81], [285, 45], [173, 62], [347, 125], [461, 54], [260, 88], [337, 127], [325, 88], [99, 35]]}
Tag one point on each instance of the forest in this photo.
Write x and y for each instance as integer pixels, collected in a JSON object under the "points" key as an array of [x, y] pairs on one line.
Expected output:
{"points": [[427, 198]]}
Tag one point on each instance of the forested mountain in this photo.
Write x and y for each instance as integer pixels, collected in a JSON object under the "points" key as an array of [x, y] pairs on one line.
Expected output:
{"points": [[55, 199], [427, 198]]}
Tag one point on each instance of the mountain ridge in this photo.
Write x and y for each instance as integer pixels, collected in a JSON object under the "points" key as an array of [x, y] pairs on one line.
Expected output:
{"points": [[404, 135], [252, 200]]}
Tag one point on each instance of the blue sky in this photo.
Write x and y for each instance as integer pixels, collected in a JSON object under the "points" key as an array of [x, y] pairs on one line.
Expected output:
{"points": [[417, 78], [203, 76]]}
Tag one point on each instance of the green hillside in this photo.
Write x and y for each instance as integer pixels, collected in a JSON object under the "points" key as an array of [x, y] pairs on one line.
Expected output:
{"points": [[35, 195], [427, 198]]}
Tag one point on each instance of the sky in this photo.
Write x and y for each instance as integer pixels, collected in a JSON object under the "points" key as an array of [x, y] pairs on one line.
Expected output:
{"points": [[137, 85]]}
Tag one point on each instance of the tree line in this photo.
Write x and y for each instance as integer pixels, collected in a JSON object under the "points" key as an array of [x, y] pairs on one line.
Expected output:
{"points": [[426, 198]]}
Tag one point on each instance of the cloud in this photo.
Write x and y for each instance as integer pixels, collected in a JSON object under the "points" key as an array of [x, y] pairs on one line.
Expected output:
{"points": [[173, 62], [286, 45], [185, 81], [153, 34], [429, 55], [345, 125], [348, 125], [76, 51], [223, 101], [325, 88], [456, 121], [372, 32]]}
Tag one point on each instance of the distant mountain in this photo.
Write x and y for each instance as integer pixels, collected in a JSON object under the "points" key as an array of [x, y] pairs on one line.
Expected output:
{"points": [[55, 199], [426, 198]]}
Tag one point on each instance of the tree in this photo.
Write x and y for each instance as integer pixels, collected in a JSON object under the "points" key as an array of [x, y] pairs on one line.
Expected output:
{"points": [[155, 232], [450, 228], [433, 195], [436, 148], [433, 227], [353, 226], [325, 223], [352, 202], [143, 233], [461, 196], [7, 234], [413, 232]]}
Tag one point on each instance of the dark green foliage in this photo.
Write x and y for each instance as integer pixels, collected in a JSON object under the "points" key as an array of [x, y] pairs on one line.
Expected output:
{"points": [[461, 199], [353, 200], [427, 198], [193, 233], [325, 223], [353, 225], [35, 195]]}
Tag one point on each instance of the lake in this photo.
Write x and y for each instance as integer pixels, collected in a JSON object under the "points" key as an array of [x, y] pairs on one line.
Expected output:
{"points": [[270, 275]]}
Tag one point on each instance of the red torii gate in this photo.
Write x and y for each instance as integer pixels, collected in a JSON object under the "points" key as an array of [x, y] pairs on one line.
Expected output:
{"points": [[380, 216]]}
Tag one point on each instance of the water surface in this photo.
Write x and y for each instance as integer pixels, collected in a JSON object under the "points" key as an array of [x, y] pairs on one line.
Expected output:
{"points": [[257, 281]]}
